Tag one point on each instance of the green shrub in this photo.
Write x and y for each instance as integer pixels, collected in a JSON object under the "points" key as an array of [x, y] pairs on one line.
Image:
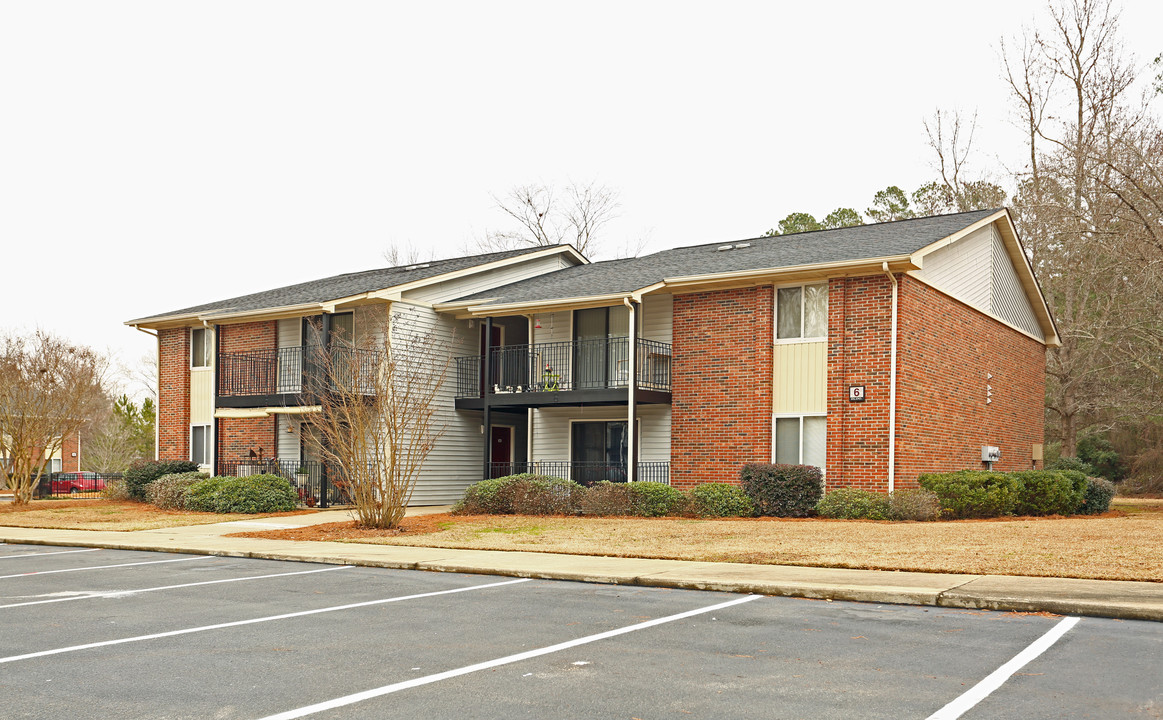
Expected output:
{"points": [[653, 499], [252, 494], [973, 493], [720, 500], [1049, 492], [169, 491], [1071, 463], [605, 498], [524, 494], [783, 490], [143, 472], [1097, 451], [919, 505], [1098, 496], [852, 504]]}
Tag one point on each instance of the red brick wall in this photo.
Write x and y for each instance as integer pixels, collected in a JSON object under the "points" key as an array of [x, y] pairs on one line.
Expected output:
{"points": [[945, 348], [249, 336], [238, 436], [721, 384], [173, 394], [71, 454]]}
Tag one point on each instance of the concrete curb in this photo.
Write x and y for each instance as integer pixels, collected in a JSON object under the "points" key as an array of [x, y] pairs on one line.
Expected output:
{"points": [[1095, 598]]}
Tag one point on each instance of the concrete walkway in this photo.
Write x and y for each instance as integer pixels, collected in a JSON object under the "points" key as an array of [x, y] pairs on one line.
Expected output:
{"points": [[1099, 598]]}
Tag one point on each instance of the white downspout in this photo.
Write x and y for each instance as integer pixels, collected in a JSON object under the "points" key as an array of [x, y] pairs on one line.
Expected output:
{"points": [[529, 411], [892, 387], [631, 410]]}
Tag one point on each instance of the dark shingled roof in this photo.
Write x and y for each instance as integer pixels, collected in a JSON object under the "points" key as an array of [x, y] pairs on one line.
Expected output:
{"points": [[859, 242], [340, 286]]}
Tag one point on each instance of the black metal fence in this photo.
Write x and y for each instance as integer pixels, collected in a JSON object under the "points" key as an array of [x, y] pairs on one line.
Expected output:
{"points": [[584, 473], [317, 484], [549, 367], [293, 370], [76, 485]]}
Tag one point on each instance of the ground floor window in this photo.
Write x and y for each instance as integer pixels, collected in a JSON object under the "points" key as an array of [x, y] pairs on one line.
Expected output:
{"points": [[598, 451], [801, 440], [200, 444]]}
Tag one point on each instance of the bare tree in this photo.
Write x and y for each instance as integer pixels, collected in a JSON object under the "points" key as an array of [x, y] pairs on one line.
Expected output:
{"points": [[543, 215], [405, 253], [379, 400], [49, 389]]}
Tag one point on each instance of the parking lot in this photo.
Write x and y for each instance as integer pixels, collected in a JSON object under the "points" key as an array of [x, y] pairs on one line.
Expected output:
{"points": [[102, 633]]}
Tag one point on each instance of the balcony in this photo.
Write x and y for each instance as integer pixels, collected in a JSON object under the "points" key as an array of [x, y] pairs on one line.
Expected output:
{"points": [[595, 372], [289, 376], [584, 473]]}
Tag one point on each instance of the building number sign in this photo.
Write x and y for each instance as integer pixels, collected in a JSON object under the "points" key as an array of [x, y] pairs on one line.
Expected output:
{"points": [[855, 393]]}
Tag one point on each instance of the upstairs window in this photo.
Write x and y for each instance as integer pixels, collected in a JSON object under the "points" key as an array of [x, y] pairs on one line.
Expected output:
{"points": [[199, 348], [801, 312]]}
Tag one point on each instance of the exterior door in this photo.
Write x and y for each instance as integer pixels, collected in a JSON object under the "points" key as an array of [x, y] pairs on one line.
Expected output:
{"points": [[598, 451], [501, 455], [600, 338]]}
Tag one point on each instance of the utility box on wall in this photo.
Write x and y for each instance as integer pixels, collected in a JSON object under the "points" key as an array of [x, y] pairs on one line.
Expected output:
{"points": [[990, 453]]}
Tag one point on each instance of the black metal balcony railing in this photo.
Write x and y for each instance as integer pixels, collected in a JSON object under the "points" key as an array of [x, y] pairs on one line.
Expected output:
{"points": [[584, 473], [305, 476], [563, 366], [293, 370]]}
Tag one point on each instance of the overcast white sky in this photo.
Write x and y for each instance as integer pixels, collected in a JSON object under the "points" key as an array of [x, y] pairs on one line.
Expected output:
{"points": [[155, 155]]}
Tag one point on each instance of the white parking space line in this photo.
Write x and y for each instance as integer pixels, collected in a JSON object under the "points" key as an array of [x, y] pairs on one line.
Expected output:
{"points": [[995, 679], [106, 567], [437, 677], [253, 621], [58, 552], [124, 593]]}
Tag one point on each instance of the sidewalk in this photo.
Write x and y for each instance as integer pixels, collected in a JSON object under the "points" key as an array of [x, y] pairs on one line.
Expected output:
{"points": [[1099, 598]]}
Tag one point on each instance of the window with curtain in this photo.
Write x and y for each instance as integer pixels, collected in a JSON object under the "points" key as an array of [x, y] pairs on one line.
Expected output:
{"points": [[801, 312], [801, 440]]}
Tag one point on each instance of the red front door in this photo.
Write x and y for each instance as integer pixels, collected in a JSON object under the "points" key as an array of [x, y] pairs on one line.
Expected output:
{"points": [[501, 455]]}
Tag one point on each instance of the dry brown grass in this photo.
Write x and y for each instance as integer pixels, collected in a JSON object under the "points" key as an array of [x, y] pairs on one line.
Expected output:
{"points": [[1121, 545], [105, 515]]}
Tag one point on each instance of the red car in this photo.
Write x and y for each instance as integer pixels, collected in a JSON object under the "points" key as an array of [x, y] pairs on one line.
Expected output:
{"points": [[77, 482]]}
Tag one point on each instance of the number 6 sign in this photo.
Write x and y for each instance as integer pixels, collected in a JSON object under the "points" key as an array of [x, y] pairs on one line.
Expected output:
{"points": [[855, 393]]}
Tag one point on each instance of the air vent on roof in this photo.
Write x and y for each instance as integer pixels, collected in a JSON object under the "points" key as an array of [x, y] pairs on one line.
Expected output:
{"points": [[418, 267], [740, 246], [723, 248]]}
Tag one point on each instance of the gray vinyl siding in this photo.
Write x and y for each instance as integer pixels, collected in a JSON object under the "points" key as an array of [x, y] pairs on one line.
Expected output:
{"points": [[455, 461], [482, 281], [288, 443], [555, 327], [657, 317], [1009, 301], [551, 433], [963, 269], [978, 271]]}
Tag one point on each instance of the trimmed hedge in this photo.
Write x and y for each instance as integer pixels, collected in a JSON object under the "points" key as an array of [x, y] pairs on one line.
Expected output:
{"points": [[919, 505], [720, 500], [143, 472], [654, 499], [252, 494], [973, 493], [1097, 497], [605, 498], [523, 494], [852, 504], [169, 491], [783, 490], [1071, 463], [1049, 492]]}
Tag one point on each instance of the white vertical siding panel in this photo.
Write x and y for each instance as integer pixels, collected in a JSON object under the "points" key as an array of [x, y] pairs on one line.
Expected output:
{"points": [[287, 447], [201, 396], [290, 330], [1009, 301], [801, 377]]}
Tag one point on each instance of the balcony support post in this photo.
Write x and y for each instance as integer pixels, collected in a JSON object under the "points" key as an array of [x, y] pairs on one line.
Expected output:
{"points": [[216, 380], [631, 399], [325, 340], [487, 365]]}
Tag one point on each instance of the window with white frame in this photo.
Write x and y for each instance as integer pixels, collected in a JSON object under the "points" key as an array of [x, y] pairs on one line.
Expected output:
{"points": [[199, 348], [801, 312], [801, 440], [200, 444]]}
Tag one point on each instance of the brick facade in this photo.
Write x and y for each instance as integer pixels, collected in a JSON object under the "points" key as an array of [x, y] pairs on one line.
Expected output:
{"points": [[173, 394], [71, 454], [238, 436], [174, 390], [721, 384]]}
